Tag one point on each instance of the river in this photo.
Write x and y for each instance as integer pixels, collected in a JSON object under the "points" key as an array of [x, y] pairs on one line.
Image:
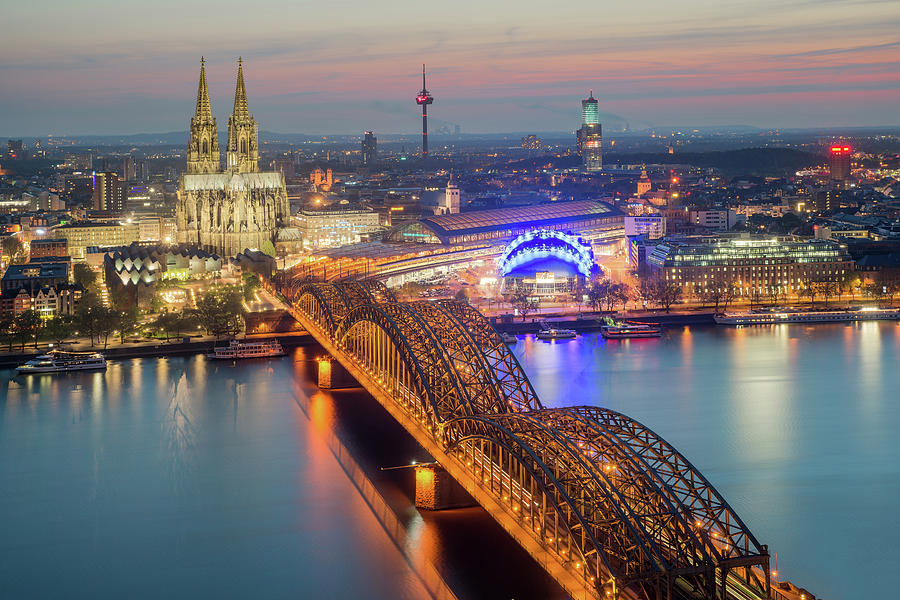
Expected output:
{"points": [[185, 477]]}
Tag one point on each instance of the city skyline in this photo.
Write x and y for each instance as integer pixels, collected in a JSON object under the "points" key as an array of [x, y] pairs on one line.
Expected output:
{"points": [[497, 68]]}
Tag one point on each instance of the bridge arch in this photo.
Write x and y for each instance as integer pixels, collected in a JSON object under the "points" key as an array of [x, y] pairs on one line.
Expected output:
{"points": [[514, 383], [401, 346], [324, 303]]}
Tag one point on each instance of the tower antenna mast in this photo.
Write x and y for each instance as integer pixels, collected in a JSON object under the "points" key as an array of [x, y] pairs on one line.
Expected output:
{"points": [[423, 99]]}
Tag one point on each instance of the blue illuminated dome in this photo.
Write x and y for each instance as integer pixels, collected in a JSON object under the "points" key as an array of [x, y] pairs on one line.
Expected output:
{"points": [[544, 251]]}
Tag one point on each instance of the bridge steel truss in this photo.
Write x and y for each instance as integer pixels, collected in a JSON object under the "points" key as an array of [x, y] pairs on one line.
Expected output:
{"points": [[605, 505]]}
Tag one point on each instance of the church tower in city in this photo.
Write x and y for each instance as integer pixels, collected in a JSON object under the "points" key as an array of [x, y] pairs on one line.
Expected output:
{"points": [[243, 133], [232, 210], [203, 149]]}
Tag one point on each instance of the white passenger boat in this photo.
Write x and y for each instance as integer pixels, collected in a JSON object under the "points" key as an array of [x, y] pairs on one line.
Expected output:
{"points": [[617, 331], [552, 333], [248, 349], [509, 338], [61, 361], [774, 316]]}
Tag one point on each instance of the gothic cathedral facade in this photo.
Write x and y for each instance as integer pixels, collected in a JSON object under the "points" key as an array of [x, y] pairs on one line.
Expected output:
{"points": [[240, 208]]}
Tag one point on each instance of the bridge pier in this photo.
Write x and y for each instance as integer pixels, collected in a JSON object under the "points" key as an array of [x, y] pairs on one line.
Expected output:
{"points": [[332, 375], [437, 490]]}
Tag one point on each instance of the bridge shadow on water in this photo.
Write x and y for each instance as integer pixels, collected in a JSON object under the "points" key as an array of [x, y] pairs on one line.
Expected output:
{"points": [[466, 547]]}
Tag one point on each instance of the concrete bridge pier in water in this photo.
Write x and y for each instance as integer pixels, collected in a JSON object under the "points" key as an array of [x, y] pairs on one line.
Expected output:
{"points": [[435, 488]]}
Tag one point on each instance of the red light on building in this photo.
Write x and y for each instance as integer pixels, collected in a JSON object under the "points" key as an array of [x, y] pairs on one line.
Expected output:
{"points": [[840, 149]]}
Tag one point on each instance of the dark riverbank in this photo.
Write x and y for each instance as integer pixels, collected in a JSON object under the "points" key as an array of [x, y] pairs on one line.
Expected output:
{"points": [[532, 324]]}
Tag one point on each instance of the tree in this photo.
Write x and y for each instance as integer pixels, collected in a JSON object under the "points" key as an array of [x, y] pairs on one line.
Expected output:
{"points": [[165, 324], [126, 322], [621, 292], [221, 311], [84, 275], [461, 295], [828, 288], [88, 314], [249, 283], [58, 328], [14, 249], [647, 290], [268, 248], [27, 325], [597, 293], [809, 289], [666, 293], [729, 293], [521, 301], [712, 296], [7, 334]]}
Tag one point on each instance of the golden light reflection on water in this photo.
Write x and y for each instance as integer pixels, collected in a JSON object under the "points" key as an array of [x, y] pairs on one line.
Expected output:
{"points": [[761, 360], [871, 359]]}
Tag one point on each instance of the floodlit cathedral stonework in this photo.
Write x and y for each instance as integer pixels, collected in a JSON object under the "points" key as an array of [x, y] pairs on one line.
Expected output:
{"points": [[228, 211]]}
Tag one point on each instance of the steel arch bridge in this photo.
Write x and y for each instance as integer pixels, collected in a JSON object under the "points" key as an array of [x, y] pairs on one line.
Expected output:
{"points": [[605, 505]]}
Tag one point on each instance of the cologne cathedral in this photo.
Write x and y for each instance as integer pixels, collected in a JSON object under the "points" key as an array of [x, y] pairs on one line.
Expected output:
{"points": [[228, 211]]}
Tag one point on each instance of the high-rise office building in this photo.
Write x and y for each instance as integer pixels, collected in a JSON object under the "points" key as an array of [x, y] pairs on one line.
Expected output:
{"points": [[589, 138], [108, 192], [839, 162], [369, 149]]}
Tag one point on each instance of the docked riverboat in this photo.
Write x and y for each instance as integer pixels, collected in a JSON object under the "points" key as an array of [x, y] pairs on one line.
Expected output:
{"points": [[63, 361], [775, 316], [617, 331], [509, 338], [553, 333], [240, 349]]}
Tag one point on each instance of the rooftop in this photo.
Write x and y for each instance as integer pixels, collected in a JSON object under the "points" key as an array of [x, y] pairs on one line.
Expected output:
{"points": [[46, 270], [497, 218]]}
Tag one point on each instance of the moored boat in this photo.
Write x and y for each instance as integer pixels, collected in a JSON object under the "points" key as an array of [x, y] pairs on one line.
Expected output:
{"points": [[616, 330], [775, 316], [553, 333], [509, 338], [248, 349], [62, 361]]}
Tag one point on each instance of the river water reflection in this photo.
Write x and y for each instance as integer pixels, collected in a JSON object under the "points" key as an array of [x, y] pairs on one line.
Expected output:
{"points": [[795, 425], [184, 477]]}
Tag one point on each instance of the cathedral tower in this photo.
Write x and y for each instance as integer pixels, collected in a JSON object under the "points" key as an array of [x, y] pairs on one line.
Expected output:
{"points": [[203, 148], [243, 146]]}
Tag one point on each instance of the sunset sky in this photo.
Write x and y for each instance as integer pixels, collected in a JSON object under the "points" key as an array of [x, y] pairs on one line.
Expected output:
{"points": [[96, 66]]}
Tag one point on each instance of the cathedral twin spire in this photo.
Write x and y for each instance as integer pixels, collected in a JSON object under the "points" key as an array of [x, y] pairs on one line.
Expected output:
{"points": [[242, 152]]}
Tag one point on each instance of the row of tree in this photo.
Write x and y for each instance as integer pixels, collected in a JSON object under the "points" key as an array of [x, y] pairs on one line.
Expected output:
{"points": [[219, 312]]}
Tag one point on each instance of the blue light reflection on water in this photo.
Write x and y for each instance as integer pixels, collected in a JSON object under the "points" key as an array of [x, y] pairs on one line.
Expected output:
{"points": [[795, 425]]}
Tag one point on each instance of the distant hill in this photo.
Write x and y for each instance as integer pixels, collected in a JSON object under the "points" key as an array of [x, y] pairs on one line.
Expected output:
{"points": [[761, 161]]}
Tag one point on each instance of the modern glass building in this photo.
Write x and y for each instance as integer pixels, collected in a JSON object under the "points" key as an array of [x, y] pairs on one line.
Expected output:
{"points": [[752, 264], [590, 110], [589, 138]]}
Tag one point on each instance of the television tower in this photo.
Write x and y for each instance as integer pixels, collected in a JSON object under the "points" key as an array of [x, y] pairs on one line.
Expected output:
{"points": [[424, 99]]}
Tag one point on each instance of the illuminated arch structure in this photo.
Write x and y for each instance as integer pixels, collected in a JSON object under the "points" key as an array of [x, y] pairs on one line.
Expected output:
{"points": [[532, 261], [599, 498]]}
